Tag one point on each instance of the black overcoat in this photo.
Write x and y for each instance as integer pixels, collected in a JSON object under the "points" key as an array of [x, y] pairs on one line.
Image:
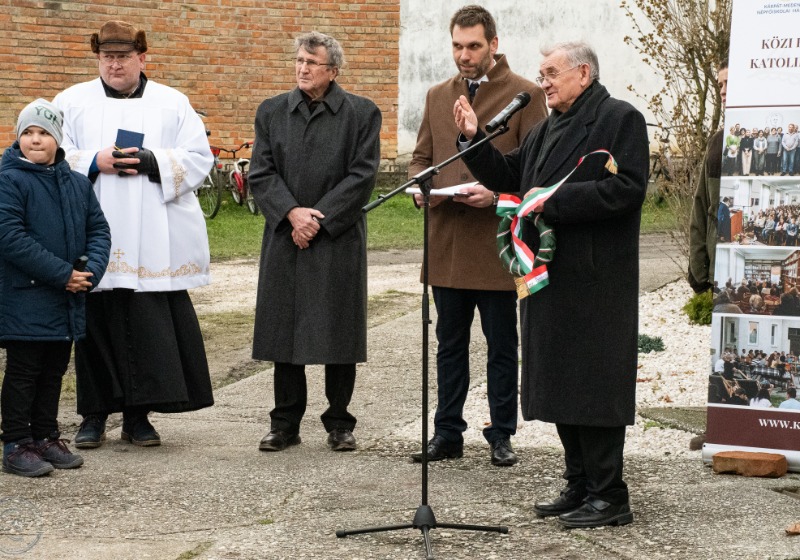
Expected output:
{"points": [[579, 334], [311, 303]]}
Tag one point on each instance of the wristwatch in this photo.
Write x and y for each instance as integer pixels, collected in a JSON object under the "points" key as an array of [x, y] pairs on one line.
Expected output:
{"points": [[495, 198]]}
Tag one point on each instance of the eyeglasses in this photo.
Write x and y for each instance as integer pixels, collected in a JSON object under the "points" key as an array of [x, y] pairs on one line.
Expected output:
{"points": [[551, 77], [312, 64], [111, 58]]}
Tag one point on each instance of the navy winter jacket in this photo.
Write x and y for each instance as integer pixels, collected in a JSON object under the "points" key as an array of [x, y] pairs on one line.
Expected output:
{"points": [[49, 216]]}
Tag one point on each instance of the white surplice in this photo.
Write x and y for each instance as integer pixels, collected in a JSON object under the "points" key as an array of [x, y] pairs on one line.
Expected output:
{"points": [[158, 233]]}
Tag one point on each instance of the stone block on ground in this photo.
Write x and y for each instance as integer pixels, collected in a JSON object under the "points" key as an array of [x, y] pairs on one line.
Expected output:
{"points": [[748, 463]]}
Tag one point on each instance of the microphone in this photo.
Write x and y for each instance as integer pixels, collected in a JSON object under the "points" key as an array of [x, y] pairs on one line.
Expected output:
{"points": [[520, 100]]}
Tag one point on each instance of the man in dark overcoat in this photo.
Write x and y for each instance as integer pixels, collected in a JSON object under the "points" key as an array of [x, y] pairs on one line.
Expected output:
{"points": [[591, 303], [463, 267], [315, 157]]}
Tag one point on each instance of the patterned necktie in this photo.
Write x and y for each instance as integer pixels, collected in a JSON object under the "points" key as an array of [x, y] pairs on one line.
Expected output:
{"points": [[473, 87]]}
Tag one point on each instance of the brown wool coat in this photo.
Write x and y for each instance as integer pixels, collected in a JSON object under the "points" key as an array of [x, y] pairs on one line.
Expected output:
{"points": [[462, 250]]}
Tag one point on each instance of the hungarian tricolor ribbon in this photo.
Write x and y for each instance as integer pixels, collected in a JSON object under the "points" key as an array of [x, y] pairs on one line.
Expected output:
{"points": [[529, 267]]}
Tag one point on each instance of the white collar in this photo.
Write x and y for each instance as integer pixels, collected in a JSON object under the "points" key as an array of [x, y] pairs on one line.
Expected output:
{"points": [[480, 80]]}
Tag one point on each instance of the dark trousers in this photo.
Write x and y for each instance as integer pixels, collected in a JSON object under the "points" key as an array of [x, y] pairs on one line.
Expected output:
{"points": [[32, 388], [291, 397], [773, 163], [729, 165], [593, 457], [456, 309]]}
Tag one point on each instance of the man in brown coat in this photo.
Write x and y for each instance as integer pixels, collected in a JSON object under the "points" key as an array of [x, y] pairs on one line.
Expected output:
{"points": [[464, 268]]}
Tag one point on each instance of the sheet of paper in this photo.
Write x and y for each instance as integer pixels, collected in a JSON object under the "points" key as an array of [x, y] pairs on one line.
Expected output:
{"points": [[455, 190]]}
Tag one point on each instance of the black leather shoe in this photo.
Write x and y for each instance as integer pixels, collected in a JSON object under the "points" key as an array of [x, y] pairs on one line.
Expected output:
{"points": [[502, 453], [139, 431], [596, 513], [341, 439], [569, 500], [278, 440], [439, 448], [92, 432]]}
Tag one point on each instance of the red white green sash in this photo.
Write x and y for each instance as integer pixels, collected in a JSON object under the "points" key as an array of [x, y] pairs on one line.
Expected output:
{"points": [[517, 257]]}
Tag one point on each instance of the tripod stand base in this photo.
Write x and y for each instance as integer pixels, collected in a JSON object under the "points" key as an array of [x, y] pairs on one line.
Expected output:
{"points": [[424, 520]]}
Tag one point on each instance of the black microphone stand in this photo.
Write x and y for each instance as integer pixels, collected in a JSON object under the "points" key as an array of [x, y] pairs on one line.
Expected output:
{"points": [[424, 520]]}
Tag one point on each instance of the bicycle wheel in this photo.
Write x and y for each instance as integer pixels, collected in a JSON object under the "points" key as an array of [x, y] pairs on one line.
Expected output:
{"points": [[210, 195], [236, 185], [655, 168], [659, 168], [251, 203]]}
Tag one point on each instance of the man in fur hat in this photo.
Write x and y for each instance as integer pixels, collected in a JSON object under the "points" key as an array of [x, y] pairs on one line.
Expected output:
{"points": [[146, 151]]}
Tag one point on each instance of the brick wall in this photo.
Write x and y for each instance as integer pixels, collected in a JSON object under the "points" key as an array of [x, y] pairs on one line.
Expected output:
{"points": [[226, 55]]}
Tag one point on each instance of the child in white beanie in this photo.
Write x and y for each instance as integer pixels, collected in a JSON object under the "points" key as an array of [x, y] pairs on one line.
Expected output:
{"points": [[42, 114], [54, 246]]}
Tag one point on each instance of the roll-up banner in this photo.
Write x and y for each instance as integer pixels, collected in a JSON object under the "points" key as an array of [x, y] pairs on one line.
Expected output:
{"points": [[755, 331]]}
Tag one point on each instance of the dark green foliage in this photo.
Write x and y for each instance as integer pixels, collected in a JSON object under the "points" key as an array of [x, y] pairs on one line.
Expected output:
{"points": [[649, 344], [698, 309]]}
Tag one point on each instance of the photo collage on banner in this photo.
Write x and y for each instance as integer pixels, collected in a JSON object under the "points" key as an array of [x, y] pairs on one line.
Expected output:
{"points": [[755, 331]]}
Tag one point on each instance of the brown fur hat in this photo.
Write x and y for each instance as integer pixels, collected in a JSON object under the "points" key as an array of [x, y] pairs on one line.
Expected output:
{"points": [[119, 36]]}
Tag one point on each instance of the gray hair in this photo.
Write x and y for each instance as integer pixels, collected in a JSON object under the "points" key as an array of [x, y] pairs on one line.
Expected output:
{"points": [[310, 42], [577, 53]]}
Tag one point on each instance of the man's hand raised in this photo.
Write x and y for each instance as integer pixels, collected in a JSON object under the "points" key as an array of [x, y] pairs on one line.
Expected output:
{"points": [[466, 120]]}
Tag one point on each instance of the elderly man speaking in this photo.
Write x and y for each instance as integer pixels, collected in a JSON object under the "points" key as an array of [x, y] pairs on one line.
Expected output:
{"points": [[591, 303]]}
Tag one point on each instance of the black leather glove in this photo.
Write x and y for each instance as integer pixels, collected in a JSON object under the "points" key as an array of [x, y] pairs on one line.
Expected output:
{"points": [[147, 164]]}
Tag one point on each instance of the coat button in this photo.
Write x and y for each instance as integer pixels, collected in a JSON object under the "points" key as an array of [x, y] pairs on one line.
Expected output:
{"points": [[33, 282], [464, 176]]}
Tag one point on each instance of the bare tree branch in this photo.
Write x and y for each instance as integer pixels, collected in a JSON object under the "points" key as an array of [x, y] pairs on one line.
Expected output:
{"points": [[683, 41]]}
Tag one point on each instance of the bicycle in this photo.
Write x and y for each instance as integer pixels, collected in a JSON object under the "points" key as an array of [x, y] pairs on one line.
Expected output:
{"points": [[237, 180], [660, 160], [209, 193]]}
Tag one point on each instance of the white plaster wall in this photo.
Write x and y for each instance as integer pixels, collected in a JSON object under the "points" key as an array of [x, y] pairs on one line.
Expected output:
{"points": [[523, 27], [742, 329]]}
